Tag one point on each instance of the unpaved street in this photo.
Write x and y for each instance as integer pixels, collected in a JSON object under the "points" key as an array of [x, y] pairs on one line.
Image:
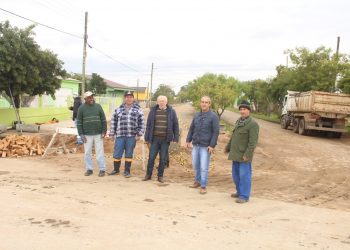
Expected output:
{"points": [[49, 204], [311, 170]]}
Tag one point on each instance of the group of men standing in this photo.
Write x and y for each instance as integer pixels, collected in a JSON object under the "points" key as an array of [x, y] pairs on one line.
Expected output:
{"points": [[162, 128]]}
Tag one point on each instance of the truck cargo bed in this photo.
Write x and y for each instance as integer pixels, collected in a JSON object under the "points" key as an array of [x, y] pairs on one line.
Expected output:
{"points": [[319, 102]]}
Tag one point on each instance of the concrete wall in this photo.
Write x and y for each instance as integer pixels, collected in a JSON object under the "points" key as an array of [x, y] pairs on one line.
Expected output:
{"points": [[44, 108], [44, 114]]}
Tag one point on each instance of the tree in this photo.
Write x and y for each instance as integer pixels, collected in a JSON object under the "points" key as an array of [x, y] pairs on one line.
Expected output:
{"points": [[182, 96], [344, 82], [258, 93], [315, 70], [165, 90], [97, 84], [221, 89], [24, 67]]}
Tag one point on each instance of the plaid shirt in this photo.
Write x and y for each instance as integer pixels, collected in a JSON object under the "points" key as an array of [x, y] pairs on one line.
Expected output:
{"points": [[129, 123]]}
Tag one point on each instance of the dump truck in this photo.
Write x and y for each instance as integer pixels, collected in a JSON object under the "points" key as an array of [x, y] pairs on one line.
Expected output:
{"points": [[316, 110]]}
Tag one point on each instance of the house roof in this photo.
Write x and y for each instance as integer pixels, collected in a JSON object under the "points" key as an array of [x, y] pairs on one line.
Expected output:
{"points": [[119, 86], [140, 89], [116, 85]]}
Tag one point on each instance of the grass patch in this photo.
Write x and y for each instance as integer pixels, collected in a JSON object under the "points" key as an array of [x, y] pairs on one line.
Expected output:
{"points": [[271, 118]]}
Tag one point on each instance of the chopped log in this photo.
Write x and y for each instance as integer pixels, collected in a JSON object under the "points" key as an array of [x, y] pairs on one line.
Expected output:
{"points": [[17, 146], [39, 150]]}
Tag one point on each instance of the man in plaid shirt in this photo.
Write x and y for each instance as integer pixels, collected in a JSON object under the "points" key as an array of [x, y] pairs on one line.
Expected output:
{"points": [[128, 125]]}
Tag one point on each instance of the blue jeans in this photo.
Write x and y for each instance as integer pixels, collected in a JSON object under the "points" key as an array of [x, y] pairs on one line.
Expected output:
{"points": [[200, 162], [99, 151], [161, 146], [242, 177], [124, 143]]}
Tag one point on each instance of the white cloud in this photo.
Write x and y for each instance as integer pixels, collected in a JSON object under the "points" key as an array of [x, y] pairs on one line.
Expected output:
{"points": [[184, 38]]}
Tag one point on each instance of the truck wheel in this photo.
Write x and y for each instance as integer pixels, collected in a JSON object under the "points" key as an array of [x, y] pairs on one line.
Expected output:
{"points": [[284, 122], [302, 130], [296, 125], [336, 134]]}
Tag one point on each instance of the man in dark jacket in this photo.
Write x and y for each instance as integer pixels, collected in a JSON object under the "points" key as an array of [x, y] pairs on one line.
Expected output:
{"points": [[76, 105], [203, 134], [241, 150], [161, 129]]}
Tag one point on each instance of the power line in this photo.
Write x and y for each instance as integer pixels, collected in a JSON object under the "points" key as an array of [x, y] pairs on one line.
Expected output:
{"points": [[41, 24], [57, 9], [76, 36], [110, 57]]}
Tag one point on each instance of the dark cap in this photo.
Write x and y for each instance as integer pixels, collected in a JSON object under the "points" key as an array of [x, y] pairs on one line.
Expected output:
{"points": [[126, 93], [244, 104]]}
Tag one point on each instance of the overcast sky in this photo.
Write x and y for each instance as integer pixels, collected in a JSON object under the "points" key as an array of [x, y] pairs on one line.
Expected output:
{"points": [[184, 39]]}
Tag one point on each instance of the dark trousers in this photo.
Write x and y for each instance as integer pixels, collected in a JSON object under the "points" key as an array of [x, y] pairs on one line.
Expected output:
{"points": [[161, 146]]}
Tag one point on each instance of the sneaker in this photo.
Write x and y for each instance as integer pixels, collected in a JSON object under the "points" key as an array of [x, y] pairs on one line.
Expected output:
{"points": [[88, 172], [239, 200], [160, 179], [101, 173], [234, 195], [195, 185], [203, 190]]}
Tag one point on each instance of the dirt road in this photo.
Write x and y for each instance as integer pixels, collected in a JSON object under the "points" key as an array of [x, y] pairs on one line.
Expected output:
{"points": [[310, 170], [49, 204]]}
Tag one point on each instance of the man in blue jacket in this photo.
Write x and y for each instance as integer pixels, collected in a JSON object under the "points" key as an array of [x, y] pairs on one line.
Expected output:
{"points": [[161, 129], [203, 134]]}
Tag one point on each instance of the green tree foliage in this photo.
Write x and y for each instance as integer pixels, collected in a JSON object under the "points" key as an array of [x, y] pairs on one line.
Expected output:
{"points": [[165, 90], [344, 82], [97, 84], [24, 67], [182, 95], [258, 93], [220, 88], [315, 70]]}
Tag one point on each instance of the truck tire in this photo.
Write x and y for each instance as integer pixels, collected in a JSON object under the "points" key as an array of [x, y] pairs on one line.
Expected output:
{"points": [[296, 125], [336, 134], [302, 130], [284, 122]]}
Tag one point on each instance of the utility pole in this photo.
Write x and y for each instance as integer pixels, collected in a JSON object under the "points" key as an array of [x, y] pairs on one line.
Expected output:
{"points": [[84, 57], [150, 90], [147, 97], [137, 90], [337, 59]]}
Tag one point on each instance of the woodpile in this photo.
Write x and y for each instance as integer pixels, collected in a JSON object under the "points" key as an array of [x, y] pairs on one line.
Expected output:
{"points": [[21, 145]]}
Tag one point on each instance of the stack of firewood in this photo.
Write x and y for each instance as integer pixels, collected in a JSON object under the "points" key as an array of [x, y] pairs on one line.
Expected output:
{"points": [[20, 145]]}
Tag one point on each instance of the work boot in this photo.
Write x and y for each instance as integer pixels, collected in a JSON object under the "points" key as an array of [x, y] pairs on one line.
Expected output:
{"points": [[147, 178], [160, 179], [101, 173], [88, 173], [195, 185], [240, 200], [116, 168], [127, 169]]}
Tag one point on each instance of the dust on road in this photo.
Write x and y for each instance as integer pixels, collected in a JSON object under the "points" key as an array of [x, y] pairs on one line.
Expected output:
{"points": [[307, 170]]}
